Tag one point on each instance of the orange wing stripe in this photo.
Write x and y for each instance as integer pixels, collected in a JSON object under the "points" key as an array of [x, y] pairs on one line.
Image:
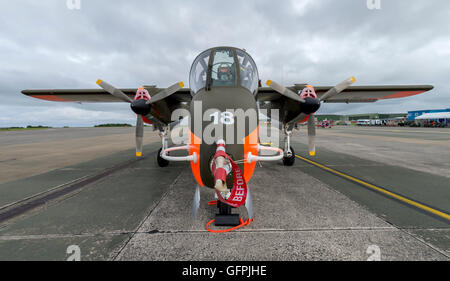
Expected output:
{"points": [[50, 98], [402, 94]]}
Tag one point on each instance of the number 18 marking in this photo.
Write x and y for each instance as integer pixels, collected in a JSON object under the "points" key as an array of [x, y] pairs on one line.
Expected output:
{"points": [[226, 118]]}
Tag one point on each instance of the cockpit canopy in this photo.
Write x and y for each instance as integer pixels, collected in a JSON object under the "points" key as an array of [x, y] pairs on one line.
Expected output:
{"points": [[223, 67]]}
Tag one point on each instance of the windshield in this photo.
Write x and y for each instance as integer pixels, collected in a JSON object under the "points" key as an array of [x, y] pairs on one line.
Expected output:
{"points": [[197, 77], [247, 71], [223, 71], [219, 67]]}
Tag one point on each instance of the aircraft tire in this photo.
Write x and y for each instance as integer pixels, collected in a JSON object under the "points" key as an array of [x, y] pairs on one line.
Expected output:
{"points": [[289, 161], [161, 161]]}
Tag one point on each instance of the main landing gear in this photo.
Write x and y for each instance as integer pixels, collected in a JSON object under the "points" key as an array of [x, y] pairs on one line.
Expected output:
{"points": [[289, 160], [289, 154], [163, 156], [161, 161]]}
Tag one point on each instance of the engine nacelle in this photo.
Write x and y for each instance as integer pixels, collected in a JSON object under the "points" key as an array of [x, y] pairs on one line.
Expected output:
{"points": [[139, 104]]}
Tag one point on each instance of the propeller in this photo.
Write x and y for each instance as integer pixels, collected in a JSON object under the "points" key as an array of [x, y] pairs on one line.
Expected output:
{"points": [[312, 135], [284, 91], [141, 107], [114, 91], [310, 105], [166, 92], [338, 88], [311, 120], [139, 135]]}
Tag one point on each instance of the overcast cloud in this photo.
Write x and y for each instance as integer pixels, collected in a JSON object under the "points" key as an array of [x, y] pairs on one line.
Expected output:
{"points": [[43, 44]]}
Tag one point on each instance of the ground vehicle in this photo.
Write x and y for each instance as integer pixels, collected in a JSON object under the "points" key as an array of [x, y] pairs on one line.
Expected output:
{"points": [[363, 122]]}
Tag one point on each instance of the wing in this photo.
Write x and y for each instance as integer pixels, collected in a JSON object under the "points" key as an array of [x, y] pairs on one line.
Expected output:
{"points": [[161, 110], [373, 93], [352, 93], [291, 110]]}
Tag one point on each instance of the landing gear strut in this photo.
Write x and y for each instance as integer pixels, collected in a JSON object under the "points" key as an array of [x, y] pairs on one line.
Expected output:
{"points": [[225, 217], [289, 154], [161, 161]]}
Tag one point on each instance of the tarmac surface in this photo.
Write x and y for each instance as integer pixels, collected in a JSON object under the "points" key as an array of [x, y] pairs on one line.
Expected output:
{"points": [[85, 187]]}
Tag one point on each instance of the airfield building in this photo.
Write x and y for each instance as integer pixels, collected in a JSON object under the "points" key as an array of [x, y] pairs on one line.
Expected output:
{"points": [[431, 117]]}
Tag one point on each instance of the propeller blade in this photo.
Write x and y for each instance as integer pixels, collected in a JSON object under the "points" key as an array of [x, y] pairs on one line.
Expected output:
{"points": [[284, 91], [114, 91], [311, 135], [166, 92], [338, 88], [139, 135]]}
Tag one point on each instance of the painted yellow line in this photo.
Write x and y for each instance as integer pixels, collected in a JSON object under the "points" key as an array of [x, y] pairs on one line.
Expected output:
{"points": [[379, 189]]}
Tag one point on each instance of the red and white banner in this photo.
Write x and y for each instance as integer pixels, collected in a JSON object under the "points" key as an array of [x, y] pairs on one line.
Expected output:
{"points": [[239, 191]]}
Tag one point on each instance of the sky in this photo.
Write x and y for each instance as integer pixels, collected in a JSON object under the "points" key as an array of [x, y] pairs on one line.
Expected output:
{"points": [[49, 44]]}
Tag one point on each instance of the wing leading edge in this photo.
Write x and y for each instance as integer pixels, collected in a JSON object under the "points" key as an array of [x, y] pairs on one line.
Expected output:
{"points": [[97, 95]]}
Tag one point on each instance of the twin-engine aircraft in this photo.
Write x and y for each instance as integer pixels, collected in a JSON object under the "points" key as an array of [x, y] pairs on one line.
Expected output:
{"points": [[224, 147]]}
